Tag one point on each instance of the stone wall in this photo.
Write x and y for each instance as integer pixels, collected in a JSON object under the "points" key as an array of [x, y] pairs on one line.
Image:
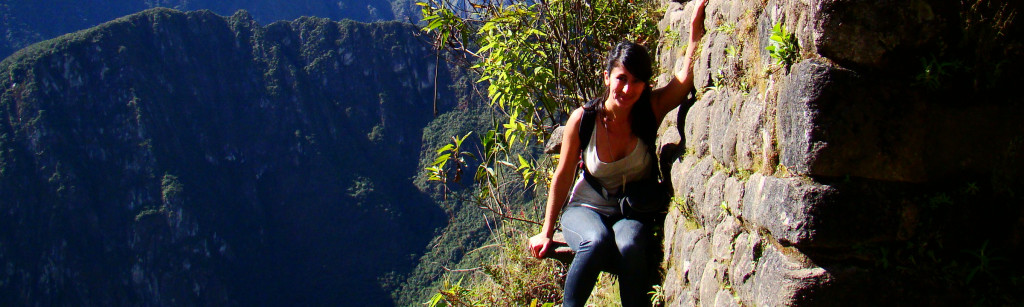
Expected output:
{"points": [[868, 171]]}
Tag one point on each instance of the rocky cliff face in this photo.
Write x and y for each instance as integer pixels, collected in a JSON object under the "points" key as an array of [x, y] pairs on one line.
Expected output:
{"points": [[171, 158], [881, 166]]}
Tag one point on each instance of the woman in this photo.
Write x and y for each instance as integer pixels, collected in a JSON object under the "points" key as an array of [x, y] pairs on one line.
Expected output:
{"points": [[593, 225]]}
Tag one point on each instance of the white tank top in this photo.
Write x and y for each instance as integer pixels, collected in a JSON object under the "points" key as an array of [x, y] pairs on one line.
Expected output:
{"points": [[611, 175]]}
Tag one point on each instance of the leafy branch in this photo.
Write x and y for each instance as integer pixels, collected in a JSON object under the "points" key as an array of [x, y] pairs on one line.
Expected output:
{"points": [[539, 61]]}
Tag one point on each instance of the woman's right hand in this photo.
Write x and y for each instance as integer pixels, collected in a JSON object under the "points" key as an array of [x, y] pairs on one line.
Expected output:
{"points": [[697, 23], [539, 245]]}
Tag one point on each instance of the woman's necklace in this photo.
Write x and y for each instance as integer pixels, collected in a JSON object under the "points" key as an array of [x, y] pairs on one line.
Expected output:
{"points": [[611, 148]]}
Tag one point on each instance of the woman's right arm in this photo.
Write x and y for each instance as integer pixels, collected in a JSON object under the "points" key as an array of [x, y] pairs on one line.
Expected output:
{"points": [[560, 183]]}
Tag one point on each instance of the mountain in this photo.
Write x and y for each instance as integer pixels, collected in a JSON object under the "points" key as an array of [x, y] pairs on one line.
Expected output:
{"points": [[27, 22], [170, 158]]}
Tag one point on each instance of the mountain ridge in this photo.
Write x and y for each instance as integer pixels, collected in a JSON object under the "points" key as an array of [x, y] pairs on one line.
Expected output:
{"points": [[25, 22]]}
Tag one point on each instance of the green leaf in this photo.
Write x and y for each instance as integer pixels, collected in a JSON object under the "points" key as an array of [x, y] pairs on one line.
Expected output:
{"points": [[481, 172], [458, 143], [485, 48], [446, 147], [434, 23], [434, 301], [441, 160]]}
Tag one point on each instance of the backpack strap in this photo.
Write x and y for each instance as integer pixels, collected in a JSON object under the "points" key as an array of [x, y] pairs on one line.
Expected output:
{"points": [[586, 130]]}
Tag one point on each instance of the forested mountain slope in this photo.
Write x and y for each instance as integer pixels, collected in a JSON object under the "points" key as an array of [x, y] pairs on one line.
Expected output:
{"points": [[171, 158]]}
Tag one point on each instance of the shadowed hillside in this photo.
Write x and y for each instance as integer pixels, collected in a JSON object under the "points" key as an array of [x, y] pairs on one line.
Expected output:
{"points": [[171, 158]]}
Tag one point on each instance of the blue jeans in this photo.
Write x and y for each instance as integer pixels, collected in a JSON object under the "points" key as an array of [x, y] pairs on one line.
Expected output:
{"points": [[609, 243]]}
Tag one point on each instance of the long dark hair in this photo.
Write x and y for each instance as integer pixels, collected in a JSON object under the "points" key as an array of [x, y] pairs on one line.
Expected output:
{"points": [[637, 61]]}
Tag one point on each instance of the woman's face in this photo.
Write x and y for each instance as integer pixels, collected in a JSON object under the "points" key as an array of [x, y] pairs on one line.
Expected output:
{"points": [[622, 86]]}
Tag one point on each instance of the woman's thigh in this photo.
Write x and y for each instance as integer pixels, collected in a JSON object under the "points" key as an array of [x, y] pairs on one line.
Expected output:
{"points": [[581, 225]]}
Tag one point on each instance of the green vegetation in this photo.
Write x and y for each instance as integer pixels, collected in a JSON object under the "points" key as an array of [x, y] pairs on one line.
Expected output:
{"points": [[452, 245], [726, 27], [439, 171], [509, 277], [376, 134], [171, 188], [784, 48], [732, 51], [686, 211], [657, 296], [934, 72], [538, 62], [672, 38], [361, 188]]}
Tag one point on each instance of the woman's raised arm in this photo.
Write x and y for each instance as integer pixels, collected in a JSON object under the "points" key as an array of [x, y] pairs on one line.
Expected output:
{"points": [[671, 95]]}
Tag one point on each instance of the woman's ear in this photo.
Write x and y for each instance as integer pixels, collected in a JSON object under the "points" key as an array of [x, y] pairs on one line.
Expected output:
{"points": [[607, 82]]}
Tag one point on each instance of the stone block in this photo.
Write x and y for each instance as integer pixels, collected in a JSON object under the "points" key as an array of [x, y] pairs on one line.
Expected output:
{"points": [[670, 143], [722, 239], [690, 184], [674, 286], [696, 127], [554, 143], [687, 298], [724, 299], [722, 134], [734, 196], [676, 260], [710, 282], [833, 123], [673, 229], [751, 134], [709, 209], [784, 206], [721, 66], [779, 278], [799, 138], [699, 258], [866, 33], [765, 22], [686, 253], [747, 249], [677, 175]]}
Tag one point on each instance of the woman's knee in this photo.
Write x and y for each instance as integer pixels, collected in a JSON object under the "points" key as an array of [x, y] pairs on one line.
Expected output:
{"points": [[592, 239], [630, 238], [631, 246]]}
